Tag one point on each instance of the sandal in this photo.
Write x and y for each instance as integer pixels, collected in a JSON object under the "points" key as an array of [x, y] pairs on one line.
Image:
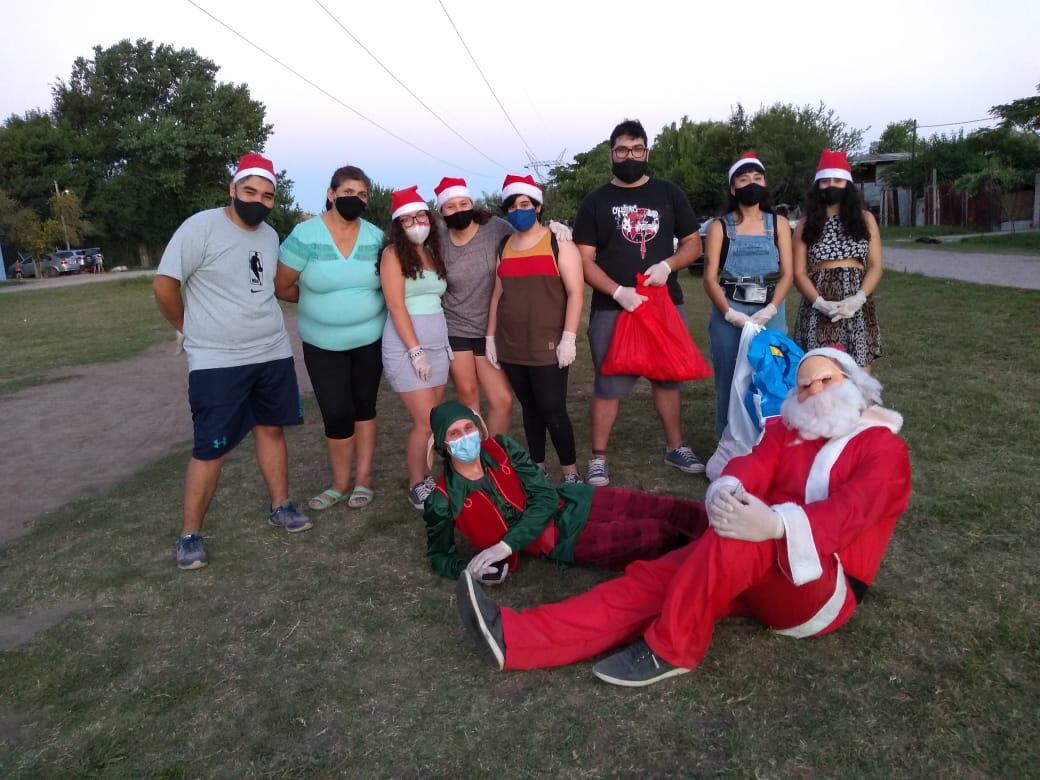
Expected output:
{"points": [[360, 497], [326, 499]]}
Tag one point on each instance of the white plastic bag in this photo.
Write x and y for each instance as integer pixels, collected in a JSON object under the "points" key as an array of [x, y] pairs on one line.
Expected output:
{"points": [[741, 433]]}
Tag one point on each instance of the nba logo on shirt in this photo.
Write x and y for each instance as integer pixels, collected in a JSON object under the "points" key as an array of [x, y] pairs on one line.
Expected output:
{"points": [[256, 272]]}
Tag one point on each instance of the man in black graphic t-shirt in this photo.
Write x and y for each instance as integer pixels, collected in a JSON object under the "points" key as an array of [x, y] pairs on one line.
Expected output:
{"points": [[624, 228]]}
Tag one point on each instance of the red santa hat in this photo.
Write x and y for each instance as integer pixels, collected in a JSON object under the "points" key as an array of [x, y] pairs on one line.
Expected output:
{"points": [[253, 164], [748, 158], [833, 165], [406, 201], [450, 188], [521, 185], [868, 385]]}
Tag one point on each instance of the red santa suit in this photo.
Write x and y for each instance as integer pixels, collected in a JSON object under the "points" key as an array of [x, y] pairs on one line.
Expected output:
{"points": [[839, 500]]}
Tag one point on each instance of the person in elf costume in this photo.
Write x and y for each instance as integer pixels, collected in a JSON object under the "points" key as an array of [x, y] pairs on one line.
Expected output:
{"points": [[799, 527], [502, 503]]}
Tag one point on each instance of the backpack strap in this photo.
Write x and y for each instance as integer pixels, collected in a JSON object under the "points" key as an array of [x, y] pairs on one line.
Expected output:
{"points": [[502, 246]]}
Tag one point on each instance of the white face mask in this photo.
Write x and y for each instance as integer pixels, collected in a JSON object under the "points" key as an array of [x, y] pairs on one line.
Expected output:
{"points": [[417, 233]]}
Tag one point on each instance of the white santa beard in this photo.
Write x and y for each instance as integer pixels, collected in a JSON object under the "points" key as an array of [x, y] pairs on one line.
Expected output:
{"points": [[828, 414]]}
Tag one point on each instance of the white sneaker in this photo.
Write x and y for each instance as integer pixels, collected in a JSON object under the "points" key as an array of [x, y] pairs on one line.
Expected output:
{"points": [[597, 474]]}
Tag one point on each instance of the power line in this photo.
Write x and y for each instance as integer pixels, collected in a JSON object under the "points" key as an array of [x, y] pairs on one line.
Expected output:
{"points": [[509, 119], [968, 122], [328, 94], [418, 99]]}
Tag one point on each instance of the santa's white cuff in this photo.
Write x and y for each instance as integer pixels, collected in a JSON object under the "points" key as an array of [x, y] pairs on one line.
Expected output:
{"points": [[728, 483], [801, 548]]}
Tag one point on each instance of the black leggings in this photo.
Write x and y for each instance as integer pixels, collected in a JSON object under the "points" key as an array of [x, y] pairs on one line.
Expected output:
{"points": [[542, 393], [345, 383]]}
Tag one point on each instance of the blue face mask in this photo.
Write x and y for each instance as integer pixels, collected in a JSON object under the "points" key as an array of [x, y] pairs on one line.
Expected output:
{"points": [[522, 219], [465, 448]]}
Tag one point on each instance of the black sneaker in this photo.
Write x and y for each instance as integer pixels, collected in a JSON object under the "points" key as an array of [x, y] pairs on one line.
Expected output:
{"points": [[635, 666], [682, 458], [482, 620]]}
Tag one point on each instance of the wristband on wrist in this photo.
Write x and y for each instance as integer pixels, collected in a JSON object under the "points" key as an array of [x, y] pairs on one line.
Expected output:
{"points": [[616, 291], [414, 352]]}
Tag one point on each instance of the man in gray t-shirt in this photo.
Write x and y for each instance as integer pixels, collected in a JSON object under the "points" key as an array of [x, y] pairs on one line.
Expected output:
{"points": [[241, 376]]}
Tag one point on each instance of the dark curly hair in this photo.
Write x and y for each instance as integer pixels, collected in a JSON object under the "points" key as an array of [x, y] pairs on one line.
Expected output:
{"points": [[851, 213], [408, 253]]}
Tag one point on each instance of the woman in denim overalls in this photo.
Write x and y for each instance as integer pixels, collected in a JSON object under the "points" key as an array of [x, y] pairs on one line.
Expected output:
{"points": [[755, 275]]}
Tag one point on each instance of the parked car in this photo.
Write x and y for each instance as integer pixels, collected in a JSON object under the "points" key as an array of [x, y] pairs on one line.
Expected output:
{"points": [[61, 261], [697, 267], [91, 260]]}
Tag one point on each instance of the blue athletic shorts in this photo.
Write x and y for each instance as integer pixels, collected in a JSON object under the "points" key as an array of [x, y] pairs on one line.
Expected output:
{"points": [[226, 403]]}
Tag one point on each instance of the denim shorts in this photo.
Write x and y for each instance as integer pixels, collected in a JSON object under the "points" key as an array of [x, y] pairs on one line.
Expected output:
{"points": [[601, 331], [227, 403]]}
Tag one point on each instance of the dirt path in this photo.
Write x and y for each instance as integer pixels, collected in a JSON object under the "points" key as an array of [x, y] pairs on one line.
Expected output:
{"points": [[78, 447], [1021, 271]]}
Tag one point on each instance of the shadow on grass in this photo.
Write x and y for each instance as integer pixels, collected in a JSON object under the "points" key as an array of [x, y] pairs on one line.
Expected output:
{"points": [[337, 652]]}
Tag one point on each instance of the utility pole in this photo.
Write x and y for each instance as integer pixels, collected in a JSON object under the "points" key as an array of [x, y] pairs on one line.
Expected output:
{"points": [[913, 158], [64, 227]]}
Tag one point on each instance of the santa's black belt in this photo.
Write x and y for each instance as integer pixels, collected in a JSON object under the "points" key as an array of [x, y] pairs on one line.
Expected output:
{"points": [[859, 588]]}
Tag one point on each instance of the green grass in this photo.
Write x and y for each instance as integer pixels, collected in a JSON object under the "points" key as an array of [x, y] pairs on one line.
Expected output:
{"points": [[337, 652], [908, 233], [1018, 244], [71, 326]]}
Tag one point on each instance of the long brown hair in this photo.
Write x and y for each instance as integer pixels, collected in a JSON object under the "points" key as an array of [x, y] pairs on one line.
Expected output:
{"points": [[408, 253]]}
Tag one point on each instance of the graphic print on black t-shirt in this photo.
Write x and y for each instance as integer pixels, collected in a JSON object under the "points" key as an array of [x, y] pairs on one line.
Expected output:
{"points": [[256, 271], [637, 224]]}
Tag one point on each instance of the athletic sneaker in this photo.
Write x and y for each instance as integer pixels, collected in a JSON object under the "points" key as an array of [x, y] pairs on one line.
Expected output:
{"points": [[635, 666], [287, 516], [597, 474], [191, 552], [572, 479], [420, 491], [482, 620], [682, 458]]}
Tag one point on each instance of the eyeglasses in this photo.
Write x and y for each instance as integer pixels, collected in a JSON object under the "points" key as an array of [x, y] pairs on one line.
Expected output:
{"points": [[420, 217], [635, 152]]}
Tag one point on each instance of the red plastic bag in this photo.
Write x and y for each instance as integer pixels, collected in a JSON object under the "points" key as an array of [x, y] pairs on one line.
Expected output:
{"points": [[653, 341]]}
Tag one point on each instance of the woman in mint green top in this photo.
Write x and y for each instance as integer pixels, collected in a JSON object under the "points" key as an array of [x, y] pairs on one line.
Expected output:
{"points": [[328, 266], [416, 355]]}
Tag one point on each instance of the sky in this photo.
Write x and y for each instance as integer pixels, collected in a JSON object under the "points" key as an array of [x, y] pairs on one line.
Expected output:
{"points": [[565, 72]]}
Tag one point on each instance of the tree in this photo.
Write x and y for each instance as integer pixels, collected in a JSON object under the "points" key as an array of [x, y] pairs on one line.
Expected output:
{"points": [[1023, 113], [995, 177], [154, 135], [34, 153], [896, 137], [287, 213]]}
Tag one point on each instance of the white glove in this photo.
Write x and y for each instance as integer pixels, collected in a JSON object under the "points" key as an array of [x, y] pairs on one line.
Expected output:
{"points": [[480, 564], [749, 519], [826, 308], [566, 350], [658, 273], [764, 315], [421, 363], [722, 488], [736, 318], [848, 307], [490, 353], [561, 231], [628, 298], [179, 346]]}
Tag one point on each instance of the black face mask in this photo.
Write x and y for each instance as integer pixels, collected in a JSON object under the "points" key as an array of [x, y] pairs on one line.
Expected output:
{"points": [[832, 195], [251, 212], [460, 220], [750, 194], [629, 171], [350, 207]]}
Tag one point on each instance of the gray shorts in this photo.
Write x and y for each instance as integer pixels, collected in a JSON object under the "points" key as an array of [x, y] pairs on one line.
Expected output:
{"points": [[601, 331]]}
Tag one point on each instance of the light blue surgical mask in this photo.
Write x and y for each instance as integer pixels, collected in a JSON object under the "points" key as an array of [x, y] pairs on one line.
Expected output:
{"points": [[466, 448], [522, 219]]}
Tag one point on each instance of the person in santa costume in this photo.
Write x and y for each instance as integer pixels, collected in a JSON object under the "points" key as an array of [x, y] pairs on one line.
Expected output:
{"points": [[502, 503], [798, 528]]}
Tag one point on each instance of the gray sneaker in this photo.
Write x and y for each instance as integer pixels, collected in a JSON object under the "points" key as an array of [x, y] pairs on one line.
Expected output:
{"points": [[420, 491], [597, 474], [191, 552], [635, 666], [482, 620], [682, 458], [287, 516]]}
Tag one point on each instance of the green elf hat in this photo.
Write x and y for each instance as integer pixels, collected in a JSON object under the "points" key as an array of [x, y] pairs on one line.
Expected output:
{"points": [[442, 417]]}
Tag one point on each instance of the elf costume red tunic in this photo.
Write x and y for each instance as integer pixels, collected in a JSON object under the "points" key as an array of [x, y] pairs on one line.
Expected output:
{"points": [[839, 500]]}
